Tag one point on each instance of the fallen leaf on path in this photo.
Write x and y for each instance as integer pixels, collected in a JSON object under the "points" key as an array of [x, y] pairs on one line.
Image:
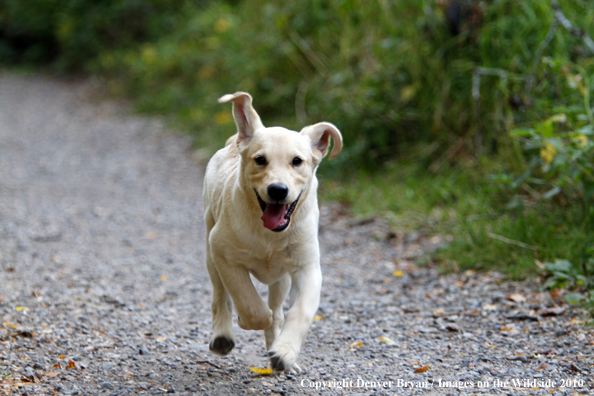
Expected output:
{"points": [[553, 311], [355, 345], [516, 297], [422, 369], [438, 312], [387, 340], [398, 273], [161, 339], [71, 365], [490, 307], [317, 318], [261, 371], [52, 374]]}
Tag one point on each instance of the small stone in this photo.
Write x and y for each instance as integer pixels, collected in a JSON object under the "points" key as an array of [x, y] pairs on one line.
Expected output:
{"points": [[107, 385], [143, 351]]}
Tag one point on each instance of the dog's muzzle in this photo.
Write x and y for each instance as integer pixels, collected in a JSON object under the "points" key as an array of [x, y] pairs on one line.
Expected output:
{"points": [[276, 217]]}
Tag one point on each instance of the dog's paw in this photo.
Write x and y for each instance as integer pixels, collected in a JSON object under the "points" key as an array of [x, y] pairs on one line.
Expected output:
{"points": [[284, 359], [221, 345]]}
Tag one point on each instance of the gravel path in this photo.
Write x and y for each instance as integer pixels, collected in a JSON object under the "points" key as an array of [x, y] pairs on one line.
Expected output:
{"points": [[103, 288]]}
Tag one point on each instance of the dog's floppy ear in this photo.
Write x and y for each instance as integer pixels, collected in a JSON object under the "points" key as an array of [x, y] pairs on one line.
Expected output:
{"points": [[320, 135], [246, 118]]}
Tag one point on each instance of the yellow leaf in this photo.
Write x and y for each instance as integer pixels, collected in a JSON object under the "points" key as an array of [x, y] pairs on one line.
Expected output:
{"points": [[62, 357], [261, 371], [422, 369], [19, 308], [163, 278], [548, 153], [317, 318], [356, 344], [71, 365], [558, 118], [398, 274], [387, 340], [438, 312]]}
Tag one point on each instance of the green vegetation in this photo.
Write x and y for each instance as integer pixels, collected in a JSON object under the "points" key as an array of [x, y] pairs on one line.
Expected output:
{"points": [[472, 119]]}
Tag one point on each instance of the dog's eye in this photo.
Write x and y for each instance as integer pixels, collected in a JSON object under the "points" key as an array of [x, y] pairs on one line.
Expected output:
{"points": [[260, 160], [297, 161]]}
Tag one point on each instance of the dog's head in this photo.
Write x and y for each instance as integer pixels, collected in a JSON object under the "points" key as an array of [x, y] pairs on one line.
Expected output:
{"points": [[278, 164]]}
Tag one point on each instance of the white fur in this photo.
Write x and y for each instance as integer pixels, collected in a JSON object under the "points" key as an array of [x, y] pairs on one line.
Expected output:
{"points": [[239, 245]]}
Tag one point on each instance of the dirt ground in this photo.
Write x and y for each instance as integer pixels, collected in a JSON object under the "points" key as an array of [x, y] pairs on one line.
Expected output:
{"points": [[104, 290]]}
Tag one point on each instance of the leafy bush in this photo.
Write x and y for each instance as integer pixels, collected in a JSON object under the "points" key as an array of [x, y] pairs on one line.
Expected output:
{"points": [[389, 74], [72, 33], [558, 152]]}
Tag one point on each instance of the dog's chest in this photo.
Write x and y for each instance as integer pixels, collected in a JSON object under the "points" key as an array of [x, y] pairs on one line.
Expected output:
{"points": [[268, 269]]}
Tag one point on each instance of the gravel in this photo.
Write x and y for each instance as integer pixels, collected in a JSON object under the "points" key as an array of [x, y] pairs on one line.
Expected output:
{"points": [[104, 291]]}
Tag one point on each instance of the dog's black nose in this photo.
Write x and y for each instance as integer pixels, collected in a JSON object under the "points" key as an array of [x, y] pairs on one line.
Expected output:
{"points": [[277, 192]]}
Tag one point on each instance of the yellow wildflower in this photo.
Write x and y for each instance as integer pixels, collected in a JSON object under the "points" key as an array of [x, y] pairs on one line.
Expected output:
{"points": [[548, 153]]}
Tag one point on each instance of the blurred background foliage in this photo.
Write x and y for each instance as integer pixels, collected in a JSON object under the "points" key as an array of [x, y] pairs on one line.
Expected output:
{"points": [[472, 118]]}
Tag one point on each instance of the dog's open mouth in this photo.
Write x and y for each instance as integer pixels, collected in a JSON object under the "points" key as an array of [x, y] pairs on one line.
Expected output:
{"points": [[276, 217]]}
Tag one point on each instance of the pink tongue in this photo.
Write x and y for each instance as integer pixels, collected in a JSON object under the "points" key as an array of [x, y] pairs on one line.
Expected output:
{"points": [[274, 215]]}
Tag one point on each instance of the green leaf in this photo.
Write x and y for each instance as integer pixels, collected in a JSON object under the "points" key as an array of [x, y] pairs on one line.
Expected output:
{"points": [[546, 129], [587, 130], [551, 193], [574, 298], [522, 132], [560, 266]]}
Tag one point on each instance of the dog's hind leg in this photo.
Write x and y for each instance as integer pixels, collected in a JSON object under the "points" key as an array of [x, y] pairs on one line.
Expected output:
{"points": [[222, 341], [276, 296]]}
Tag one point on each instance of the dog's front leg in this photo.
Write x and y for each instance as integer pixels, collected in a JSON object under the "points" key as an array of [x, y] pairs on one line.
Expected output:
{"points": [[306, 284], [222, 340], [276, 296], [253, 313]]}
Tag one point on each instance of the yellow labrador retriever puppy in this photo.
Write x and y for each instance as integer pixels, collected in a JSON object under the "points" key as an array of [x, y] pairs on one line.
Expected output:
{"points": [[261, 212]]}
